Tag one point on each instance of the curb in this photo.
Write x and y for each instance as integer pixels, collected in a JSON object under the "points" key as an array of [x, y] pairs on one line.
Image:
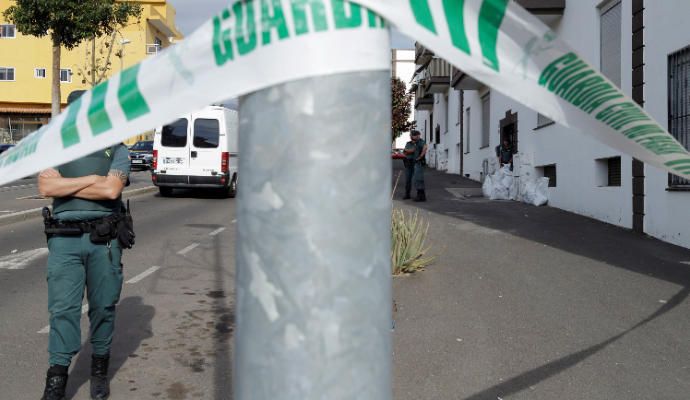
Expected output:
{"points": [[36, 212]]}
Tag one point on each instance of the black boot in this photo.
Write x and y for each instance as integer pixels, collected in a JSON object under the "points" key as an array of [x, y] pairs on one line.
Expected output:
{"points": [[421, 196], [100, 387], [56, 383], [407, 196]]}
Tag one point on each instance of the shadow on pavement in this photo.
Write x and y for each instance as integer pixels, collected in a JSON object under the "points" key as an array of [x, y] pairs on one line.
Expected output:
{"points": [[566, 231], [195, 194], [534, 376], [556, 228], [133, 326]]}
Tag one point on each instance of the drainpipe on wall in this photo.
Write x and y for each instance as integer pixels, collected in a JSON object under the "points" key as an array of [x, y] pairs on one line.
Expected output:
{"points": [[638, 176]]}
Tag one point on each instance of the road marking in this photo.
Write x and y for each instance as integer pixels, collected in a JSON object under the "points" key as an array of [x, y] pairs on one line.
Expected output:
{"points": [[217, 231], [21, 260], [46, 329], [188, 249], [32, 197], [144, 274], [8, 188], [233, 221]]}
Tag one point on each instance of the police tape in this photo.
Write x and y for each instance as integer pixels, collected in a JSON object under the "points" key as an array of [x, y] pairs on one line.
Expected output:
{"points": [[255, 44]]}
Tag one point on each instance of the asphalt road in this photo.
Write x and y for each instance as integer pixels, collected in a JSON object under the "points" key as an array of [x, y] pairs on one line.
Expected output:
{"points": [[522, 303], [175, 316], [23, 194]]}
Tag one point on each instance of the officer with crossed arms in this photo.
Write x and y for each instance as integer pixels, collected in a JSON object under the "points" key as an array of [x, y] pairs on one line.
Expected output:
{"points": [[86, 235]]}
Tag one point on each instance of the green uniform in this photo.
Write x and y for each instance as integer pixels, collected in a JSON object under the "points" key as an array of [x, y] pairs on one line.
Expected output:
{"points": [[75, 263], [414, 170]]}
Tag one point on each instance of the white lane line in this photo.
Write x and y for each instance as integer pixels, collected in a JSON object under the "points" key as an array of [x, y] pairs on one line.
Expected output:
{"points": [[233, 221], [217, 231], [21, 260], [84, 309], [188, 249], [144, 274]]}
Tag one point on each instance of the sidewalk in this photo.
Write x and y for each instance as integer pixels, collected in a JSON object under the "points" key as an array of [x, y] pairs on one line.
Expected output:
{"points": [[537, 303]]}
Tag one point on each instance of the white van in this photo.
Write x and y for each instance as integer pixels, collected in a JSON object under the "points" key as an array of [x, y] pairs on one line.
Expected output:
{"points": [[199, 150]]}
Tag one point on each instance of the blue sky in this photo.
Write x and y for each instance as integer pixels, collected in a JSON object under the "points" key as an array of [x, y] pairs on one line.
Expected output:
{"points": [[192, 13]]}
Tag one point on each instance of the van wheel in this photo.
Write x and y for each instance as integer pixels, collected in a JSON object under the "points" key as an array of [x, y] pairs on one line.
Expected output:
{"points": [[232, 188], [165, 191]]}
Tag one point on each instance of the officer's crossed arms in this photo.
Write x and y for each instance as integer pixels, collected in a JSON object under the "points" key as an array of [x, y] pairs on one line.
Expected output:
{"points": [[91, 187]]}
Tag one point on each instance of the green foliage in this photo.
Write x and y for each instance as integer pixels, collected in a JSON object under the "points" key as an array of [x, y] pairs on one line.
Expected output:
{"points": [[402, 108], [409, 248], [69, 22]]}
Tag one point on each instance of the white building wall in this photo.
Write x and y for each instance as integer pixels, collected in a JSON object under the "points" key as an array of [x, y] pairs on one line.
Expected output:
{"points": [[666, 31], [580, 178], [578, 182]]}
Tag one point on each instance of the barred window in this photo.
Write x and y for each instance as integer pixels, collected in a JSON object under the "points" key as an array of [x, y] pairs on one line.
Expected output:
{"points": [[610, 41], [679, 104]]}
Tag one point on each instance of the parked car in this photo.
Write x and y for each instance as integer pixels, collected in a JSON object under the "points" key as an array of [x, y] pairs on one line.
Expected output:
{"points": [[398, 154], [5, 147], [141, 155], [199, 150]]}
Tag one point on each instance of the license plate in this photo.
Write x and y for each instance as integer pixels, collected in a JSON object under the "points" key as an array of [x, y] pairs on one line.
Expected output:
{"points": [[137, 161]]}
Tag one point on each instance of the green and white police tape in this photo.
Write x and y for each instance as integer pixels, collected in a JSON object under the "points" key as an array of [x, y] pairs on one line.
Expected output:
{"points": [[255, 44]]}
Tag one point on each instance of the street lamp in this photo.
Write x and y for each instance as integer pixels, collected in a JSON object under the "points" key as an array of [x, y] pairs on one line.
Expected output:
{"points": [[123, 42]]}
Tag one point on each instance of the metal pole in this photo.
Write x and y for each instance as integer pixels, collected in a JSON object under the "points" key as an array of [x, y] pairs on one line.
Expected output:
{"points": [[313, 280]]}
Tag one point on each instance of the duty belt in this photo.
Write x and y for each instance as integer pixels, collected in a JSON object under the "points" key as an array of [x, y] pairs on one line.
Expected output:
{"points": [[55, 227]]}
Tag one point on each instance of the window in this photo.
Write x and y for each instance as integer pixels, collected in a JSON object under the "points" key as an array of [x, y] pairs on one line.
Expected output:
{"points": [[6, 74], [66, 75], [610, 41], [543, 120], [146, 145], [175, 134], [486, 120], [7, 31], [549, 171], [39, 73], [608, 171], [206, 133], [679, 104], [467, 130]]}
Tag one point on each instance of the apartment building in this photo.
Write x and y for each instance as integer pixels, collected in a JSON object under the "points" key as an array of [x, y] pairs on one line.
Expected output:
{"points": [[644, 47], [25, 64]]}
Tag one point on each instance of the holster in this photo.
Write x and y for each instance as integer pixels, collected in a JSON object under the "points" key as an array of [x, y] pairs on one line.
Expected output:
{"points": [[118, 226]]}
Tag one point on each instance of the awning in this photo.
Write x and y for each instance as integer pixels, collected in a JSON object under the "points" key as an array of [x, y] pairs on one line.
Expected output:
{"points": [[25, 108]]}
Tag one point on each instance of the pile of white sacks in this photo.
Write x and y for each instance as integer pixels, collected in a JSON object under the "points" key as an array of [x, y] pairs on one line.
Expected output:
{"points": [[504, 185]]}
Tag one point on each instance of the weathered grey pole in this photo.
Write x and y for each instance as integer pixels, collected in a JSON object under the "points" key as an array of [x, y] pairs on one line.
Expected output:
{"points": [[313, 279]]}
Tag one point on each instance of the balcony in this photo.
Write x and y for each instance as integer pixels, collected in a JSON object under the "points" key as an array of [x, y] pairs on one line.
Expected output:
{"points": [[422, 56], [438, 73], [543, 7], [423, 100], [462, 81]]}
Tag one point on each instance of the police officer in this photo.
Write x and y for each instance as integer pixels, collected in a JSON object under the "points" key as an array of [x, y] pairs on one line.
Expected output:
{"points": [[504, 153], [84, 253], [415, 156]]}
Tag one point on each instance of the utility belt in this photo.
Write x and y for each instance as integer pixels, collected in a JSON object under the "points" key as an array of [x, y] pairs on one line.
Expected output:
{"points": [[118, 226]]}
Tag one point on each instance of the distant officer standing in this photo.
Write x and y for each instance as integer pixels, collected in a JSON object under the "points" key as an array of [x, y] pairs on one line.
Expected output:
{"points": [[86, 235], [415, 152]]}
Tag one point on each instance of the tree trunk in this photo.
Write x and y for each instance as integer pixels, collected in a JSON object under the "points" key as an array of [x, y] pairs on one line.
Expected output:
{"points": [[55, 91]]}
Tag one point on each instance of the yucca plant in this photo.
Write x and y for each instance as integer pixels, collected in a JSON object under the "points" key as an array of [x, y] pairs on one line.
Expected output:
{"points": [[409, 249]]}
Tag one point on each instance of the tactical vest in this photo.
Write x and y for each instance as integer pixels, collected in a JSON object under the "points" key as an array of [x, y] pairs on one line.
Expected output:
{"points": [[97, 163]]}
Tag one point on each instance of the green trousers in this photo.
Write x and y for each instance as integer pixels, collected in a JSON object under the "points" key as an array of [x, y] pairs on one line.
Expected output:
{"points": [[73, 264]]}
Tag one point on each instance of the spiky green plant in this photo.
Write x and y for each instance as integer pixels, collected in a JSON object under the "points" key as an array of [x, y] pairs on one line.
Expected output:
{"points": [[409, 248]]}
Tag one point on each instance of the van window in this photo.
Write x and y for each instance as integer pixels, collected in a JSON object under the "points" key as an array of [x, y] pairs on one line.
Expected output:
{"points": [[175, 134], [206, 132]]}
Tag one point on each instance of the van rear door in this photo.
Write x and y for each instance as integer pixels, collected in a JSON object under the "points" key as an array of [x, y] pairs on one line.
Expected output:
{"points": [[205, 157], [173, 155]]}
